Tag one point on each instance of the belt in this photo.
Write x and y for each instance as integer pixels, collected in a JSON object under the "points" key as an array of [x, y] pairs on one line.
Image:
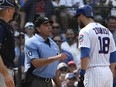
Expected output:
{"points": [[99, 66], [41, 78]]}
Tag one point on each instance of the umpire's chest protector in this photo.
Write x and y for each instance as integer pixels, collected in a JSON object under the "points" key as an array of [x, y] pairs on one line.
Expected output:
{"points": [[7, 49]]}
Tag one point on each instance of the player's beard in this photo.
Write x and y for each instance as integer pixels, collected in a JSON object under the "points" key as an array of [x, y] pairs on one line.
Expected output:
{"points": [[81, 24]]}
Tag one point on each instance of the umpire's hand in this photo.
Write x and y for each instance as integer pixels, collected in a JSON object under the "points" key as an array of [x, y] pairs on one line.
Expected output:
{"points": [[81, 81], [62, 56]]}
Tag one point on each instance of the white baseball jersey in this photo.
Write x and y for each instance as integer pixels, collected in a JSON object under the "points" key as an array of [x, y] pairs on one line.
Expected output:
{"points": [[100, 41]]}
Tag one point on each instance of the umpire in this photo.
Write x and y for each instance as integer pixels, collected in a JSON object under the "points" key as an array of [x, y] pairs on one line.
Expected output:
{"points": [[7, 55], [42, 56]]}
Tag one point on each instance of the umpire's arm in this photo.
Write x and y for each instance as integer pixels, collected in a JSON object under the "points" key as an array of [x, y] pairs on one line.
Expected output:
{"points": [[39, 62]]}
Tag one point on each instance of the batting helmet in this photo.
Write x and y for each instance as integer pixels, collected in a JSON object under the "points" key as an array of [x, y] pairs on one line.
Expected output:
{"points": [[85, 10]]}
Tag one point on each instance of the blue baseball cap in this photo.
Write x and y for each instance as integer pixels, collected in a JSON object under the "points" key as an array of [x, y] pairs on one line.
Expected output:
{"points": [[86, 10]]}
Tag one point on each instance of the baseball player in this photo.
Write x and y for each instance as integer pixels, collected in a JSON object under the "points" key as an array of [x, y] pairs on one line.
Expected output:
{"points": [[98, 51]]}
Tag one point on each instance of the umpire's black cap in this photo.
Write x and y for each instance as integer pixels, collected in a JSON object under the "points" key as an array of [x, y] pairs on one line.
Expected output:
{"points": [[8, 3], [41, 20]]}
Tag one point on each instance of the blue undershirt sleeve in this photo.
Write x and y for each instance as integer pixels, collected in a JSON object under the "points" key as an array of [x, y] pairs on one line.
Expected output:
{"points": [[84, 52], [113, 57]]}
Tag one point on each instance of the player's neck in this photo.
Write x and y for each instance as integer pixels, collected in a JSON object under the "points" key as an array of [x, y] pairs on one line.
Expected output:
{"points": [[89, 20]]}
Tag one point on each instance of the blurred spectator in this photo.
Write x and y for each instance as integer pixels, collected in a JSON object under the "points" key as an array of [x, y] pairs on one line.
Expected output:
{"points": [[58, 41], [76, 52], [17, 51], [29, 30], [19, 47], [72, 66], [104, 12], [17, 17], [70, 3], [113, 4], [99, 19], [70, 80], [56, 5], [97, 2], [15, 26], [99, 8], [77, 59], [68, 10], [54, 18], [62, 70], [22, 2], [93, 2], [71, 41], [19, 57], [56, 30], [32, 7], [111, 24]]}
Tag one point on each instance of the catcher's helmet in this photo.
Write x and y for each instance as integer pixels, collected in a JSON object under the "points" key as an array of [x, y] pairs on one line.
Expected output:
{"points": [[8, 3], [85, 10]]}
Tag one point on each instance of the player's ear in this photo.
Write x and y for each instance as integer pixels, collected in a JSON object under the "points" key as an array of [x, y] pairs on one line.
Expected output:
{"points": [[7, 10], [81, 16], [38, 29]]}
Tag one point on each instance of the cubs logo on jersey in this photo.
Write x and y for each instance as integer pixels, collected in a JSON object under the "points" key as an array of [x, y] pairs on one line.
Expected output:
{"points": [[81, 37]]}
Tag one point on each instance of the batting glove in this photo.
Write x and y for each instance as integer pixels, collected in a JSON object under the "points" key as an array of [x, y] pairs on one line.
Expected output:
{"points": [[81, 81]]}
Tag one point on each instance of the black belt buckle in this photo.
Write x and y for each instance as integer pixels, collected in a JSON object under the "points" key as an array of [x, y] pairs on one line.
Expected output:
{"points": [[47, 79]]}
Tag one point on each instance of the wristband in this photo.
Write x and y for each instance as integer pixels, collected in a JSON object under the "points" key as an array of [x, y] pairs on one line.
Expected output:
{"points": [[82, 72]]}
